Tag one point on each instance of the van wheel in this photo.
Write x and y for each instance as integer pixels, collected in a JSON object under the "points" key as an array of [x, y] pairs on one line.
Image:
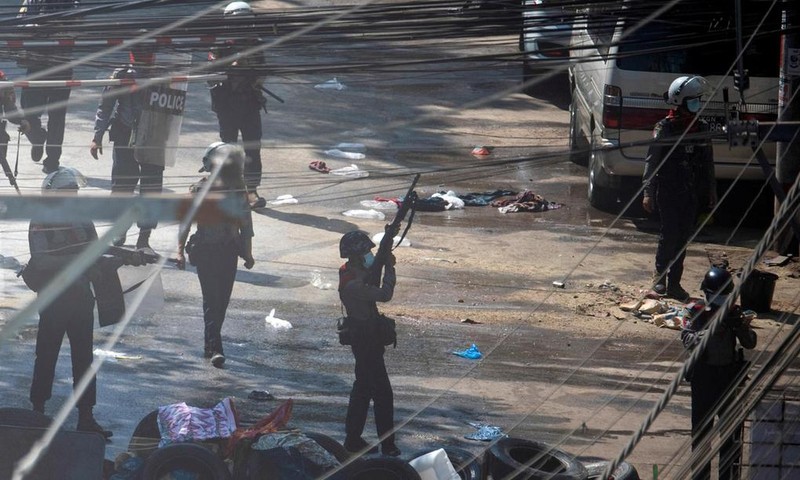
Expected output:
{"points": [[578, 146], [600, 196]]}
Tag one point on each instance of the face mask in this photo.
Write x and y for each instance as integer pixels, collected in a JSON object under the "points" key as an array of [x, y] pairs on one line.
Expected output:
{"points": [[719, 300], [693, 105], [369, 259]]}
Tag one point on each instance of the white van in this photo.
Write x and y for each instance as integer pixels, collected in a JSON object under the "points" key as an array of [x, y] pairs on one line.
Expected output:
{"points": [[624, 65]]}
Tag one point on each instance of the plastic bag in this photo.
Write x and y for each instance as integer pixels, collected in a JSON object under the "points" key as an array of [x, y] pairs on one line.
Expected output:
{"points": [[283, 200], [276, 323], [368, 214], [352, 171], [333, 84], [376, 239], [336, 153], [472, 353]]}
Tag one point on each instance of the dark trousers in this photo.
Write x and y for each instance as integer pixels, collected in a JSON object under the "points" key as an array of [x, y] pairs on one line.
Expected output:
{"points": [[233, 120], [709, 386], [72, 313], [53, 100], [678, 214], [216, 270], [126, 173], [371, 384]]}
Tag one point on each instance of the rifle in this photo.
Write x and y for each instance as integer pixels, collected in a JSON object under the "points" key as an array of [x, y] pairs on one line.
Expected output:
{"points": [[392, 229], [5, 138]]}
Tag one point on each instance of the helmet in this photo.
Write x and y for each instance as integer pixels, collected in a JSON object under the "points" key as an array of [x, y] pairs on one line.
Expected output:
{"points": [[221, 152], [685, 88], [354, 243], [718, 281], [65, 178], [234, 9]]}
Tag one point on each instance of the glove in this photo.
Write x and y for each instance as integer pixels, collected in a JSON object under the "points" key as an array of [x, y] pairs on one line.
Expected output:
{"points": [[733, 321]]}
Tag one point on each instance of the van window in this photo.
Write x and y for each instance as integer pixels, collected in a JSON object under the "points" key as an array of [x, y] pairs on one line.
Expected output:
{"points": [[702, 40]]}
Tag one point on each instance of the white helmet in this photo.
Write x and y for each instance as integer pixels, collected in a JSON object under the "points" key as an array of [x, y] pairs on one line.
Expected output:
{"points": [[65, 178], [238, 8], [685, 88], [221, 152]]}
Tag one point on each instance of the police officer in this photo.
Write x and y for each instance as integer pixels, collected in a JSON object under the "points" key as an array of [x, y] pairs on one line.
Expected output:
{"points": [[216, 247], [238, 100], [718, 371], [9, 112], [118, 112], [72, 313], [679, 170], [53, 100], [372, 381]]}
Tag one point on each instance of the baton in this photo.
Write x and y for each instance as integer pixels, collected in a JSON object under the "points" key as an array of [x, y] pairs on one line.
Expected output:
{"points": [[272, 94], [12, 179]]}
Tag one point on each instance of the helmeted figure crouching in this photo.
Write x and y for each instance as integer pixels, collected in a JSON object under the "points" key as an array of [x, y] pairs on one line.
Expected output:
{"points": [[719, 370]]}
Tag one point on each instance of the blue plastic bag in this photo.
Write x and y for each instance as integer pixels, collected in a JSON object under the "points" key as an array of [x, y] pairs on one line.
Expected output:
{"points": [[472, 353]]}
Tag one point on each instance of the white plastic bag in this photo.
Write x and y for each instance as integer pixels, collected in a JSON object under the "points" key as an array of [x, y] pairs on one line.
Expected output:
{"points": [[376, 239], [276, 323], [368, 214], [352, 171], [379, 205], [283, 200], [453, 202], [336, 153], [332, 84]]}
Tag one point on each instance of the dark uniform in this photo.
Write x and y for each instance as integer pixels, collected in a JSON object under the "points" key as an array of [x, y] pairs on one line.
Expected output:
{"points": [[72, 313], [686, 176], [238, 102], [53, 100], [372, 382], [118, 112], [215, 252], [8, 112], [714, 375]]}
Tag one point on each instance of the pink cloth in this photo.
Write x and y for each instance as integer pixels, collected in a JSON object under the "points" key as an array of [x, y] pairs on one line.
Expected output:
{"points": [[181, 423]]}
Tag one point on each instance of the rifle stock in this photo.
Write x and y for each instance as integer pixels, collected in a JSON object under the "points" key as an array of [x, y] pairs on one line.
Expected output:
{"points": [[391, 229]]}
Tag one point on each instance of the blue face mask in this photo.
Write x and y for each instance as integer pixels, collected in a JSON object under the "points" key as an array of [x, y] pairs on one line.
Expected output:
{"points": [[693, 105], [369, 259]]}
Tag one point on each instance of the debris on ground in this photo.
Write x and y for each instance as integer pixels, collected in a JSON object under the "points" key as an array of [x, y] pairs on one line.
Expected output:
{"points": [[471, 353], [470, 321], [111, 355], [260, 395], [366, 214], [332, 84], [396, 242], [778, 261], [526, 201], [485, 432], [351, 172], [481, 151], [283, 200], [276, 323], [318, 282], [319, 166]]}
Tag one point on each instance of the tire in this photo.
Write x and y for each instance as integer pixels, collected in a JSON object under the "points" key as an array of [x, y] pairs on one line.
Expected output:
{"points": [[22, 417], [380, 468], [146, 436], [624, 471], [511, 454], [330, 445], [578, 146], [185, 456], [467, 465], [600, 196]]}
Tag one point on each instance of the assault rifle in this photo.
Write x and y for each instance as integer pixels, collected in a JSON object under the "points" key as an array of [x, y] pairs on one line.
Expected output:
{"points": [[392, 229]]}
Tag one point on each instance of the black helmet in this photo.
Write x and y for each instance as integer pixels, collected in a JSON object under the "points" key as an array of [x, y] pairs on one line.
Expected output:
{"points": [[718, 281], [354, 243]]}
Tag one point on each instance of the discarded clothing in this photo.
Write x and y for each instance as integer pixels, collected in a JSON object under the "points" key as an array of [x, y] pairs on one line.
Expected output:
{"points": [[271, 423], [181, 423], [453, 202], [484, 198], [432, 204], [319, 166], [305, 445], [526, 201]]}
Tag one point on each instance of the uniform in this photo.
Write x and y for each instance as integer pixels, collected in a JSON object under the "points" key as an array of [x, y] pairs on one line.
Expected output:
{"points": [[238, 102], [118, 113], [714, 375], [53, 100], [686, 175], [372, 381], [9, 112], [71, 314]]}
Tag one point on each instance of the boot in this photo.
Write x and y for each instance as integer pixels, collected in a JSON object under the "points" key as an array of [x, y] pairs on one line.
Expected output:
{"points": [[87, 423], [218, 360], [144, 238], [390, 449], [38, 407], [660, 283], [677, 292]]}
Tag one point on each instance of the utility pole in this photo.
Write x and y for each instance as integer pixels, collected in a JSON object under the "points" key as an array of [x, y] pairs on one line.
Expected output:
{"points": [[788, 152]]}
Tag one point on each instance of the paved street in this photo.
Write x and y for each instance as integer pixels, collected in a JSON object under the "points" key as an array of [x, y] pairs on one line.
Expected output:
{"points": [[558, 365]]}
